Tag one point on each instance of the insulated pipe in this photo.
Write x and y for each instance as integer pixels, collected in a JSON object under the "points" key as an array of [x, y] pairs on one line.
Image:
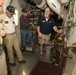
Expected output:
{"points": [[5, 4], [74, 12], [37, 1], [55, 6], [41, 5], [64, 1]]}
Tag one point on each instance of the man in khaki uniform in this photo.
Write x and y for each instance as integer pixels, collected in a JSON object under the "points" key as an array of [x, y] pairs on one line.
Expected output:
{"points": [[11, 39]]}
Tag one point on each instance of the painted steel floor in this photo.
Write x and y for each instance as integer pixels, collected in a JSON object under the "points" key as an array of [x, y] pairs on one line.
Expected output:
{"points": [[31, 61]]}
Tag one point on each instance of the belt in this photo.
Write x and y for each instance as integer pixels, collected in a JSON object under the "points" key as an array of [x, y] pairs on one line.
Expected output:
{"points": [[10, 33]]}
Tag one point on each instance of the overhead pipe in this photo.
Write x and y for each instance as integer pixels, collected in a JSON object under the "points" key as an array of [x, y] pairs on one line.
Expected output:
{"points": [[38, 2], [55, 6], [41, 4]]}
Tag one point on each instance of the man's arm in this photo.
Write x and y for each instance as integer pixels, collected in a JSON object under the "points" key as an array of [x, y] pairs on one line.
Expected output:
{"points": [[38, 29], [2, 32], [38, 26], [56, 29]]}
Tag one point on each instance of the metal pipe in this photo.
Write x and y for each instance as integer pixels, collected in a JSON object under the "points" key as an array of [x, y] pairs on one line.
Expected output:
{"points": [[37, 1]]}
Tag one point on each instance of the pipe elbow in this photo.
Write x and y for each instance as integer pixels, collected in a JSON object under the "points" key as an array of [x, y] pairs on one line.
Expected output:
{"points": [[42, 4]]}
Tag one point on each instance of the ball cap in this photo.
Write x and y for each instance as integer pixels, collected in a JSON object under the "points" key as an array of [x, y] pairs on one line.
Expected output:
{"points": [[24, 10], [11, 9]]}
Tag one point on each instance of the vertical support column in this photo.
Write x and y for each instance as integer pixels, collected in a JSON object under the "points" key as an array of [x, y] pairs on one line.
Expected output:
{"points": [[48, 54]]}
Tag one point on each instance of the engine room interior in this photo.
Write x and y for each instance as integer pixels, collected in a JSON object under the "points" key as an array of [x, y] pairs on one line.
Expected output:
{"points": [[37, 37]]}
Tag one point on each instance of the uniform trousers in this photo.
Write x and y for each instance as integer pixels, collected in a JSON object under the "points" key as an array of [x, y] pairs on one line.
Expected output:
{"points": [[11, 41], [45, 38]]}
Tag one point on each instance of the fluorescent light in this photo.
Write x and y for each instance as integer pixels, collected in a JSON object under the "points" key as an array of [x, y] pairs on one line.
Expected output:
{"points": [[24, 73], [16, 17]]}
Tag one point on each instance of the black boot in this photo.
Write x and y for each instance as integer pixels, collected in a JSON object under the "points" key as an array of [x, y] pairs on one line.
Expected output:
{"points": [[23, 48]]}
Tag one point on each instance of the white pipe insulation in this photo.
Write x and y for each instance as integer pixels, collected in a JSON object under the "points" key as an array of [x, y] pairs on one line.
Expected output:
{"points": [[42, 5], [55, 6]]}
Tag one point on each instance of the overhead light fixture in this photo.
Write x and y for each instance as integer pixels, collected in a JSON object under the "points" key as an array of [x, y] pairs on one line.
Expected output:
{"points": [[24, 73], [16, 17]]}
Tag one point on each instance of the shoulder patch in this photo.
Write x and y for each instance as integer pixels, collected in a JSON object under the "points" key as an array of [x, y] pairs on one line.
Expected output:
{"points": [[6, 22]]}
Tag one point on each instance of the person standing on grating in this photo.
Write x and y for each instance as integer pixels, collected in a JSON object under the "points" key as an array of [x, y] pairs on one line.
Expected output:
{"points": [[11, 40]]}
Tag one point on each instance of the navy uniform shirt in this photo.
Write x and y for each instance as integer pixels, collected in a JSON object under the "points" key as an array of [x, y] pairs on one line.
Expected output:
{"points": [[46, 27]]}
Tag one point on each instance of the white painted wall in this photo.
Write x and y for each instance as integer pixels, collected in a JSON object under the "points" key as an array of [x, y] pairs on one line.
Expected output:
{"points": [[16, 4]]}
